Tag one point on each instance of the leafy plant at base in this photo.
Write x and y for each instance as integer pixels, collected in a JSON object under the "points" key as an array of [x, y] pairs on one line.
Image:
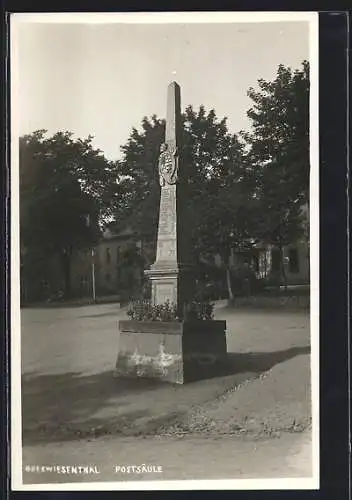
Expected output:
{"points": [[199, 311], [144, 310]]}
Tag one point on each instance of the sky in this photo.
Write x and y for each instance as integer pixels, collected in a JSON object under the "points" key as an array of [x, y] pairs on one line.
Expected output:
{"points": [[102, 79]]}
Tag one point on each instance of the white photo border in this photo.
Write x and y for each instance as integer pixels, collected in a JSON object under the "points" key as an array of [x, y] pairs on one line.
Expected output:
{"points": [[15, 349]]}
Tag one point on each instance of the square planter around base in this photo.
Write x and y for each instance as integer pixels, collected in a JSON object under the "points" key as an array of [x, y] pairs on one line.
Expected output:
{"points": [[177, 352]]}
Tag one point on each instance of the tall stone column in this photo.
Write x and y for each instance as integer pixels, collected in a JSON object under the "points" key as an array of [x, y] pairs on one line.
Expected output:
{"points": [[171, 274]]}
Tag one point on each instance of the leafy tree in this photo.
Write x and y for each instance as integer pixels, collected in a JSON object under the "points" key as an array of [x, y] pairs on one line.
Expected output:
{"points": [[213, 160], [218, 188], [229, 212], [138, 174], [279, 155], [224, 222], [64, 185]]}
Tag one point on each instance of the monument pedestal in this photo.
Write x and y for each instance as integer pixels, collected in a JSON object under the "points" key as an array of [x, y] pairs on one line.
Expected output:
{"points": [[171, 282], [177, 352]]}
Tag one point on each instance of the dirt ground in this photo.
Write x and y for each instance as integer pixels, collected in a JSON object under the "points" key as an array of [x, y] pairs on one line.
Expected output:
{"points": [[253, 422], [179, 458], [84, 339]]}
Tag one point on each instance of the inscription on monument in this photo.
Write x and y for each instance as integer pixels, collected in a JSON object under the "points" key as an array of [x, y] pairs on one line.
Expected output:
{"points": [[167, 250], [165, 292], [167, 216]]}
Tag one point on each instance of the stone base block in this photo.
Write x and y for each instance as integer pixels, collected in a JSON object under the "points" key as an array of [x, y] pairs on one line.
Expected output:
{"points": [[177, 352]]}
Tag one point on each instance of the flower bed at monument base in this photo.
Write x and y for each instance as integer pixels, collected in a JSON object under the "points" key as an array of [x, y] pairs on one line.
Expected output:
{"points": [[175, 351]]}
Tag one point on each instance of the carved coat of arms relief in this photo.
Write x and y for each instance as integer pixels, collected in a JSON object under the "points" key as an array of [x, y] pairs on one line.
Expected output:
{"points": [[168, 164]]}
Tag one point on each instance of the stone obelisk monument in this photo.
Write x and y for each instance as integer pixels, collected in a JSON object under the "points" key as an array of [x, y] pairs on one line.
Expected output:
{"points": [[171, 274], [174, 351]]}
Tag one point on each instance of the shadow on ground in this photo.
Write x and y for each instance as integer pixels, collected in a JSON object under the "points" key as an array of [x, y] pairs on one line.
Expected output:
{"points": [[257, 362], [74, 406]]}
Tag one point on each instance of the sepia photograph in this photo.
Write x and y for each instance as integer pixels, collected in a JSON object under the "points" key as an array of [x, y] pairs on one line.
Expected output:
{"points": [[164, 251]]}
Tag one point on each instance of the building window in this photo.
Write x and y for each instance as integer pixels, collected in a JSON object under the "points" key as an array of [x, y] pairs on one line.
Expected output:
{"points": [[108, 256], [293, 262], [275, 259]]}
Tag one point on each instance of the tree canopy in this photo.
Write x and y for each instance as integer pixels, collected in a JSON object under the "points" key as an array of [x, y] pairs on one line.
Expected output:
{"points": [[279, 153], [212, 158], [66, 188]]}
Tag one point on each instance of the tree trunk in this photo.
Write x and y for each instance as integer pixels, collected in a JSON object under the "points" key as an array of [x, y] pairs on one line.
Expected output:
{"points": [[226, 259], [228, 283], [282, 268]]}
